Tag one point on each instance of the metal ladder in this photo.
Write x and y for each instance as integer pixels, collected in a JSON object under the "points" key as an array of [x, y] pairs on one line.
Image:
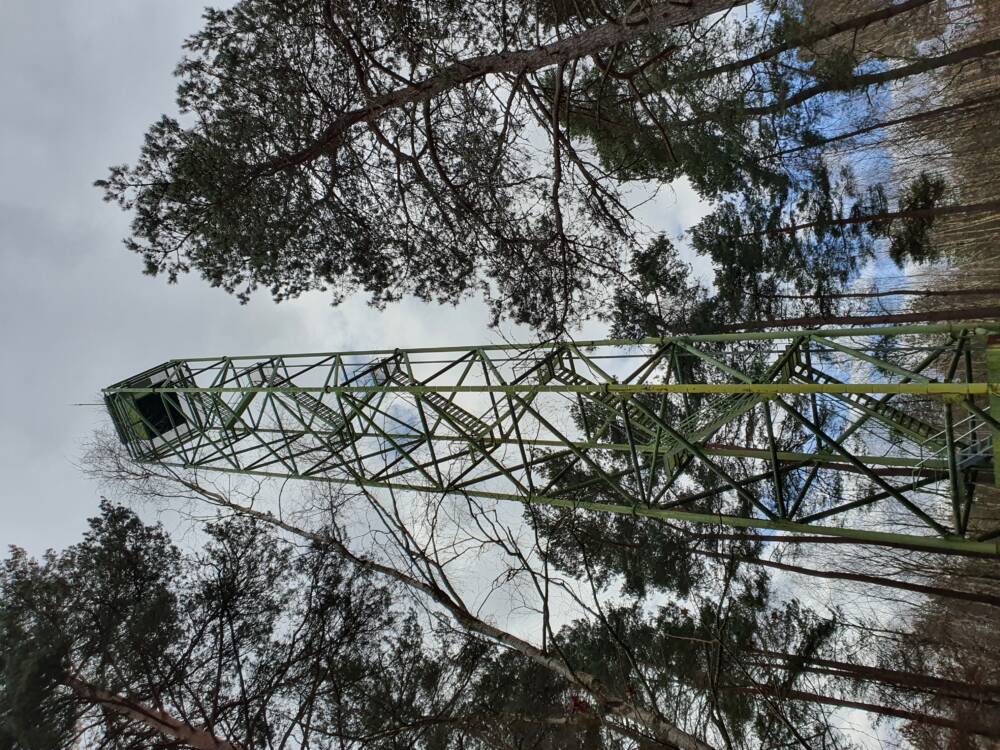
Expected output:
{"points": [[338, 432], [444, 407], [917, 428]]}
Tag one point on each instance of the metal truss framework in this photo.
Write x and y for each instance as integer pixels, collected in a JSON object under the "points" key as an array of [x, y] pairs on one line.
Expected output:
{"points": [[875, 434]]}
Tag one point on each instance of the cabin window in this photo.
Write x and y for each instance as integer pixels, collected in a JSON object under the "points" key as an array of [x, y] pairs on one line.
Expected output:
{"points": [[161, 411]]}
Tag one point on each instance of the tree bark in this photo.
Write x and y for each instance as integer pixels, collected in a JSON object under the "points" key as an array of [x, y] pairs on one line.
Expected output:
{"points": [[988, 599], [916, 317], [894, 676], [916, 213], [985, 291], [819, 35], [919, 718], [809, 539], [925, 65], [885, 471], [661, 16], [162, 722], [916, 117]]}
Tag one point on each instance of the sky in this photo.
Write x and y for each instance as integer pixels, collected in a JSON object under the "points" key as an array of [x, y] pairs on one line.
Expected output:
{"points": [[79, 85]]}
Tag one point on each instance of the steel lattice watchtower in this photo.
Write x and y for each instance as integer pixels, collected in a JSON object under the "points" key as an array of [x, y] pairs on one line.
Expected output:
{"points": [[879, 434]]}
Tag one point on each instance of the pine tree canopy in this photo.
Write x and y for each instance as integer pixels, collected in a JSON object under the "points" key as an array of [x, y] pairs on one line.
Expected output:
{"points": [[448, 149]]}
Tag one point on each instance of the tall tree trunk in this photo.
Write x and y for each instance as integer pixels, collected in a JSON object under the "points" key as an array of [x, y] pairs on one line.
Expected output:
{"points": [[810, 539], [959, 314], [965, 725], [158, 720], [985, 291], [867, 80], [873, 580], [915, 213], [656, 18], [916, 117], [818, 35], [968, 691]]}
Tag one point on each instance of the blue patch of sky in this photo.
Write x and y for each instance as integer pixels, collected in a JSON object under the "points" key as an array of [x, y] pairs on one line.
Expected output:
{"points": [[871, 163]]}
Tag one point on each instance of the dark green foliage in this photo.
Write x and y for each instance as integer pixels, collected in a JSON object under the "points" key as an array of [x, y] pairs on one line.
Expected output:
{"points": [[515, 687], [653, 115], [786, 235], [254, 638], [106, 604], [248, 626], [281, 173], [438, 202], [608, 547], [807, 237], [705, 659], [756, 256], [264, 642], [909, 238], [836, 68], [660, 297], [33, 716]]}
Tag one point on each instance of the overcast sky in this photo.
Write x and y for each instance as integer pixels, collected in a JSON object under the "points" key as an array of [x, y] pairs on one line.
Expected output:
{"points": [[79, 84]]}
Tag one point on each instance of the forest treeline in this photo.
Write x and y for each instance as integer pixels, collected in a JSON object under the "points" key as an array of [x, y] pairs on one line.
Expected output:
{"points": [[503, 151]]}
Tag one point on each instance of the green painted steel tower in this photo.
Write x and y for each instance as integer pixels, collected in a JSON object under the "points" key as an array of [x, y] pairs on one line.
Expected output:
{"points": [[879, 434]]}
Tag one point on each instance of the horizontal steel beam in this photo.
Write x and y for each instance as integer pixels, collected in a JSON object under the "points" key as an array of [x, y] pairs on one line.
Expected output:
{"points": [[929, 543], [729, 451], [625, 389]]}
